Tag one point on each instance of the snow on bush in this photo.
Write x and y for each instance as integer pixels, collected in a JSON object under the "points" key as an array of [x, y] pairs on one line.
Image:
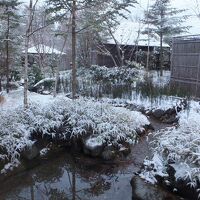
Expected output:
{"points": [[115, 75], [108, 123], [94, 75], [178, 147]]}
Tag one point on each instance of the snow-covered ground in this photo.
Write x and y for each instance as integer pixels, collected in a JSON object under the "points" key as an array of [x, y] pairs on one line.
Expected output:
{"points": [[138, 100], [179, 147], [108, 123]]}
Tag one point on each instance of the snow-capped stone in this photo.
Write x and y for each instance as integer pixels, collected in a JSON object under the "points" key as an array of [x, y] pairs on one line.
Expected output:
{"points": [[93, 146]]}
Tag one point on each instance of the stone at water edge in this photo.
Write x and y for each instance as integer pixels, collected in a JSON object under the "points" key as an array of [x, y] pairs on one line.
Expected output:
{"points": [[31, 152], [125, 150], [109, 153], [93, 146], [158, 113]]}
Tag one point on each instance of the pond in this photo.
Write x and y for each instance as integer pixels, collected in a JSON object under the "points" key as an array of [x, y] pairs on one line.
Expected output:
{"points": [[78, 177]]}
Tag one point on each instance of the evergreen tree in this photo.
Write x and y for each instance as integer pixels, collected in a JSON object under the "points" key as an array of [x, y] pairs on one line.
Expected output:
{"points": [[9, 39], [72, 8], [164, 22]]}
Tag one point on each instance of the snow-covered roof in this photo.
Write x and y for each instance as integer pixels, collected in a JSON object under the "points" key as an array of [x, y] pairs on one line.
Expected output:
{"points": [[141, 42], [152, 43], [43, 49]]}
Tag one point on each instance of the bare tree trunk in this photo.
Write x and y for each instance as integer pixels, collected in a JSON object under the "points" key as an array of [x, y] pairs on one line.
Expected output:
{"points": [[161, 44], [26, 73], [0, 85], [27, 37], [56, 81], [118, 47], [74, 81], [147, 63], [161, 54], [7, 53]]}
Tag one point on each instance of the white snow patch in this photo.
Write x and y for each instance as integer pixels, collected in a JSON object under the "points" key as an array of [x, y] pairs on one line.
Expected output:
{"points": [[92, 143]]}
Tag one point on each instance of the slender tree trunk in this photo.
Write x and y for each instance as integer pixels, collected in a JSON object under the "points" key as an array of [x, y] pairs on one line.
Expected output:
{"points": [[27, 37], [148, 49], [7, 53], [161, 54], [0, 85], [118, 48], [56, 81], [26, 73], [161, 44], [122, 57], [74, 81]]}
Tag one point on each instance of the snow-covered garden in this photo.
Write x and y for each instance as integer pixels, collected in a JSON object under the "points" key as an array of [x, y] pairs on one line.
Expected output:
{"points": [[65, 120], [105, 128]]}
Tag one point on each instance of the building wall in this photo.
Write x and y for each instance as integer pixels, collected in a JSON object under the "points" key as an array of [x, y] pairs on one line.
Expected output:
{"points": [[129, 54]]}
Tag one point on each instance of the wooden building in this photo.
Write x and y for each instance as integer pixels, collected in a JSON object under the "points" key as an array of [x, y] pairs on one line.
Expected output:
{"points": [[108, 54], [185, 64]]}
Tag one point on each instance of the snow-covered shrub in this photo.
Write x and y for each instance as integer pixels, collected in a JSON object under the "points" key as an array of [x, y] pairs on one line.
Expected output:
{"points": [[44, 84], [88, 77], [109, 124], [115, 75], [16, 126], [180, 147]]}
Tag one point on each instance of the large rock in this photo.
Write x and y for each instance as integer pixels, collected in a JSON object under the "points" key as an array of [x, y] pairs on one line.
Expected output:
{"points": [[109, 153], [93, 146], [142, 190], [31, 152], [158, 113]]}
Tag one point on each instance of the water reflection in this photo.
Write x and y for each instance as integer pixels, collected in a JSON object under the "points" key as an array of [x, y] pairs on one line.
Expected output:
{"points": [[64, 178], [77, 178]]}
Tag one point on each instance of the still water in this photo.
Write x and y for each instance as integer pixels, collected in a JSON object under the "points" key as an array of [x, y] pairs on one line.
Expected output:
{"points": [[78, 177]]}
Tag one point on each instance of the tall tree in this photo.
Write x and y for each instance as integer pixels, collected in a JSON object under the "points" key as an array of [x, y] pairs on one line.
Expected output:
{"points": [[71, 9], [29, 32], [163, 23], [10, 21]]}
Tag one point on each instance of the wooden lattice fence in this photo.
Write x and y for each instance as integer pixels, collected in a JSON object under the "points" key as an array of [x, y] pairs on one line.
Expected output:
{"points": [[185, 63]]}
